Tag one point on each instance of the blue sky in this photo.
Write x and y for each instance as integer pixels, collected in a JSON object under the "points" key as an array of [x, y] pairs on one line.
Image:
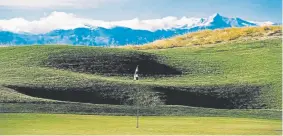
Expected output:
{"points": [[112, 10]]}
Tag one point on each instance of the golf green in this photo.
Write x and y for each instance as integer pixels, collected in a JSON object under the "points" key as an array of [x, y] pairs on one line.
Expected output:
{"points": [[27, 123]]}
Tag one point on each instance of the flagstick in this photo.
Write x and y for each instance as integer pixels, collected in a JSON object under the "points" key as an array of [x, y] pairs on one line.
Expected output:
{"points": [[137, 116], [137, 102]]}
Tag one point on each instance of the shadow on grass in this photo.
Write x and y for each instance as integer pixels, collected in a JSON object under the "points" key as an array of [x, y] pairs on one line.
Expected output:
{"points": [[221, 97], [111, 64], [84, 95]]}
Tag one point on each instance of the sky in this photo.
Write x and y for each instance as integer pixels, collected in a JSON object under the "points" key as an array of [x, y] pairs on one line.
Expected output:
{"points": [[43, 16], [115, 10]]}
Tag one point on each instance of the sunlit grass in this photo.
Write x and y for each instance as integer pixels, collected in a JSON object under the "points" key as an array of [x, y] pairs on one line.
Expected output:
{"points": [[91, 124], [214, 37]]}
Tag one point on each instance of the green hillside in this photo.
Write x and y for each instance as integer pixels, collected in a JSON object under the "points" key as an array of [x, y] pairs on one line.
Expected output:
{"points": [[234, 75]]}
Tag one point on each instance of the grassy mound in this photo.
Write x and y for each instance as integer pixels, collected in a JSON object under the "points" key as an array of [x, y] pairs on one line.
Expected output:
{"points": [[214, 37], [234, 75]]}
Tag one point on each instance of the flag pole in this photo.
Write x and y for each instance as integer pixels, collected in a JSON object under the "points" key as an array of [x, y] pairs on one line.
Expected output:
{"points": [[137, 116], [136, 77]]}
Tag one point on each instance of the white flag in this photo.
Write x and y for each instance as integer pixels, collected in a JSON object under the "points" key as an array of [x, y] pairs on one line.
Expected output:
{"points": [[136, 76], [137, 69]]}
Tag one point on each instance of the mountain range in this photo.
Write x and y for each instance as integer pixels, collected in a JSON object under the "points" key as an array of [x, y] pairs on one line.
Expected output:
{"points": [[92, 35]]}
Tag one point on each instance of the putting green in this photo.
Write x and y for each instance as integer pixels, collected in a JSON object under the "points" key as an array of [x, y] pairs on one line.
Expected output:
{"points": [[11, 123]]}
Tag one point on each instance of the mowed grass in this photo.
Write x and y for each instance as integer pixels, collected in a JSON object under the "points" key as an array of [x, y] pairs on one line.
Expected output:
{"points": [[93, 124]]}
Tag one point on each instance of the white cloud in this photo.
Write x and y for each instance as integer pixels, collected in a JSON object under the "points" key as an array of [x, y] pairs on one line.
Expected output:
{"points": [[62, 20], [267, 23], [55, 3]]}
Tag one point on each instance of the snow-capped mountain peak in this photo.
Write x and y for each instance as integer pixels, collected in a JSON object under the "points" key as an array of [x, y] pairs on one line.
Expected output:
{"points": [[215, 16], [216, 19], [219, 21]]}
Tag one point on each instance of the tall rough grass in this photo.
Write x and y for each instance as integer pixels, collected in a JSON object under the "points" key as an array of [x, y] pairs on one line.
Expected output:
{"points": [[213, 37]]}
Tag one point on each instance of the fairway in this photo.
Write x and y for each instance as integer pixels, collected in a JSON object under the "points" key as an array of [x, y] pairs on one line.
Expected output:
{"points": [[94, 124]]}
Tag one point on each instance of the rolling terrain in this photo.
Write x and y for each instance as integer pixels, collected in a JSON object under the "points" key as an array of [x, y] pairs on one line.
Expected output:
{"points": [[208, 79]]}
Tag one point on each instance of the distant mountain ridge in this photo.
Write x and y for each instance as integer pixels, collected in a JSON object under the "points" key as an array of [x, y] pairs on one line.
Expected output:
{"points": [[118, 35]]}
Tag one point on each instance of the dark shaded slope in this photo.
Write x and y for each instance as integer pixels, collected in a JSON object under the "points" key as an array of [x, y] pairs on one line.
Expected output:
{"points": [[110, 63], [223, 97]]}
